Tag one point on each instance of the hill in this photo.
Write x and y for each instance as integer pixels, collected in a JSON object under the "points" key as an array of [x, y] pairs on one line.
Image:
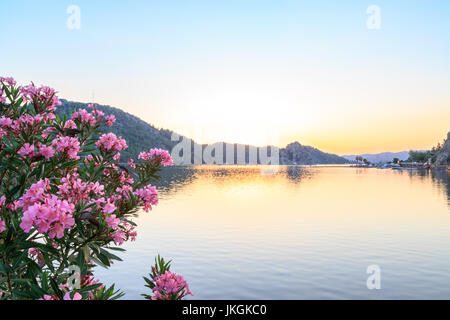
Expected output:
{"points": [[443, 155], [295, 153], [140, 135]]}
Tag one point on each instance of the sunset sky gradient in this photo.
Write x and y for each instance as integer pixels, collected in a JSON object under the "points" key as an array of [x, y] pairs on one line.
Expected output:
{"points": [[252, 71]]}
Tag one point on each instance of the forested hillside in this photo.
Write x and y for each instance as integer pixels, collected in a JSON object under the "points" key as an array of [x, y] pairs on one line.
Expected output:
{"points": [[139, 134]]}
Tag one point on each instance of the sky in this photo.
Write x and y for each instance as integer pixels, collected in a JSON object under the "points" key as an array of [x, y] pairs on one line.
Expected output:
{"points": [[247, 71]]}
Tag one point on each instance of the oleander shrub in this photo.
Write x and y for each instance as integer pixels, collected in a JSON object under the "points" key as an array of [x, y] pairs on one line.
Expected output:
{"points": [[66, 198]]}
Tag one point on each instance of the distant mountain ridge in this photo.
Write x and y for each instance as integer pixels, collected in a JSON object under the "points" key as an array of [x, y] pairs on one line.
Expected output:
{"points": [[380, 157], [142, 136]]}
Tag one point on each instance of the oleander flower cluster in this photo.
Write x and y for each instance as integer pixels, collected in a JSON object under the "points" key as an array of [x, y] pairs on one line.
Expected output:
{"points": [[170, 286], [66, 197], [45, 211], [164, 284], [157, 156]]}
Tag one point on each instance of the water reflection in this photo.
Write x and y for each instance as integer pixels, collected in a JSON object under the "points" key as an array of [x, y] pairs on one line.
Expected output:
{"points": [[301, 233], [442, 179], [175, 179], [296, 173]]}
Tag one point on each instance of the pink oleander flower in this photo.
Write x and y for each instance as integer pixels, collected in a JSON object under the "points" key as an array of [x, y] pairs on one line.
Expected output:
{"points": [[2, 226], [5, 122], [36, 255], [69, 146], [76, 190], [46, 151], [110, 120], [131, 163], [70, 125], [109, 208], [34, 194], [170, 286], [129, 230], [89, 280], [30, 93], [122, 230], [27, 150], [160, 155], [98, 114], [8, 80], [76, 296], [28, 123], [149, 197], [49, 297], [85, 117], [110, 142], [125, 178], [26, 120], [119, 236], [2, 204], [112, 221], [45, 211], [131, 233], [122, 193], [49, 116], [47, 132], [11, 206], [52, 216]]}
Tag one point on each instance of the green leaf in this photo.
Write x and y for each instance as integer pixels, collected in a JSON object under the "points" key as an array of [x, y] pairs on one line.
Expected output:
{"points": [[104, 259], [116, 249], [110, 255], [97, 261]]}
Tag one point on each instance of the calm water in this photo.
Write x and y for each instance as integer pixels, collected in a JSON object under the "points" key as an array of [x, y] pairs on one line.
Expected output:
{"points": [[302, 233]]}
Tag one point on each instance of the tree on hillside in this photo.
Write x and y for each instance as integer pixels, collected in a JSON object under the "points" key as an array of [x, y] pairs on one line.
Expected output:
{"points": [[419, 156]]}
